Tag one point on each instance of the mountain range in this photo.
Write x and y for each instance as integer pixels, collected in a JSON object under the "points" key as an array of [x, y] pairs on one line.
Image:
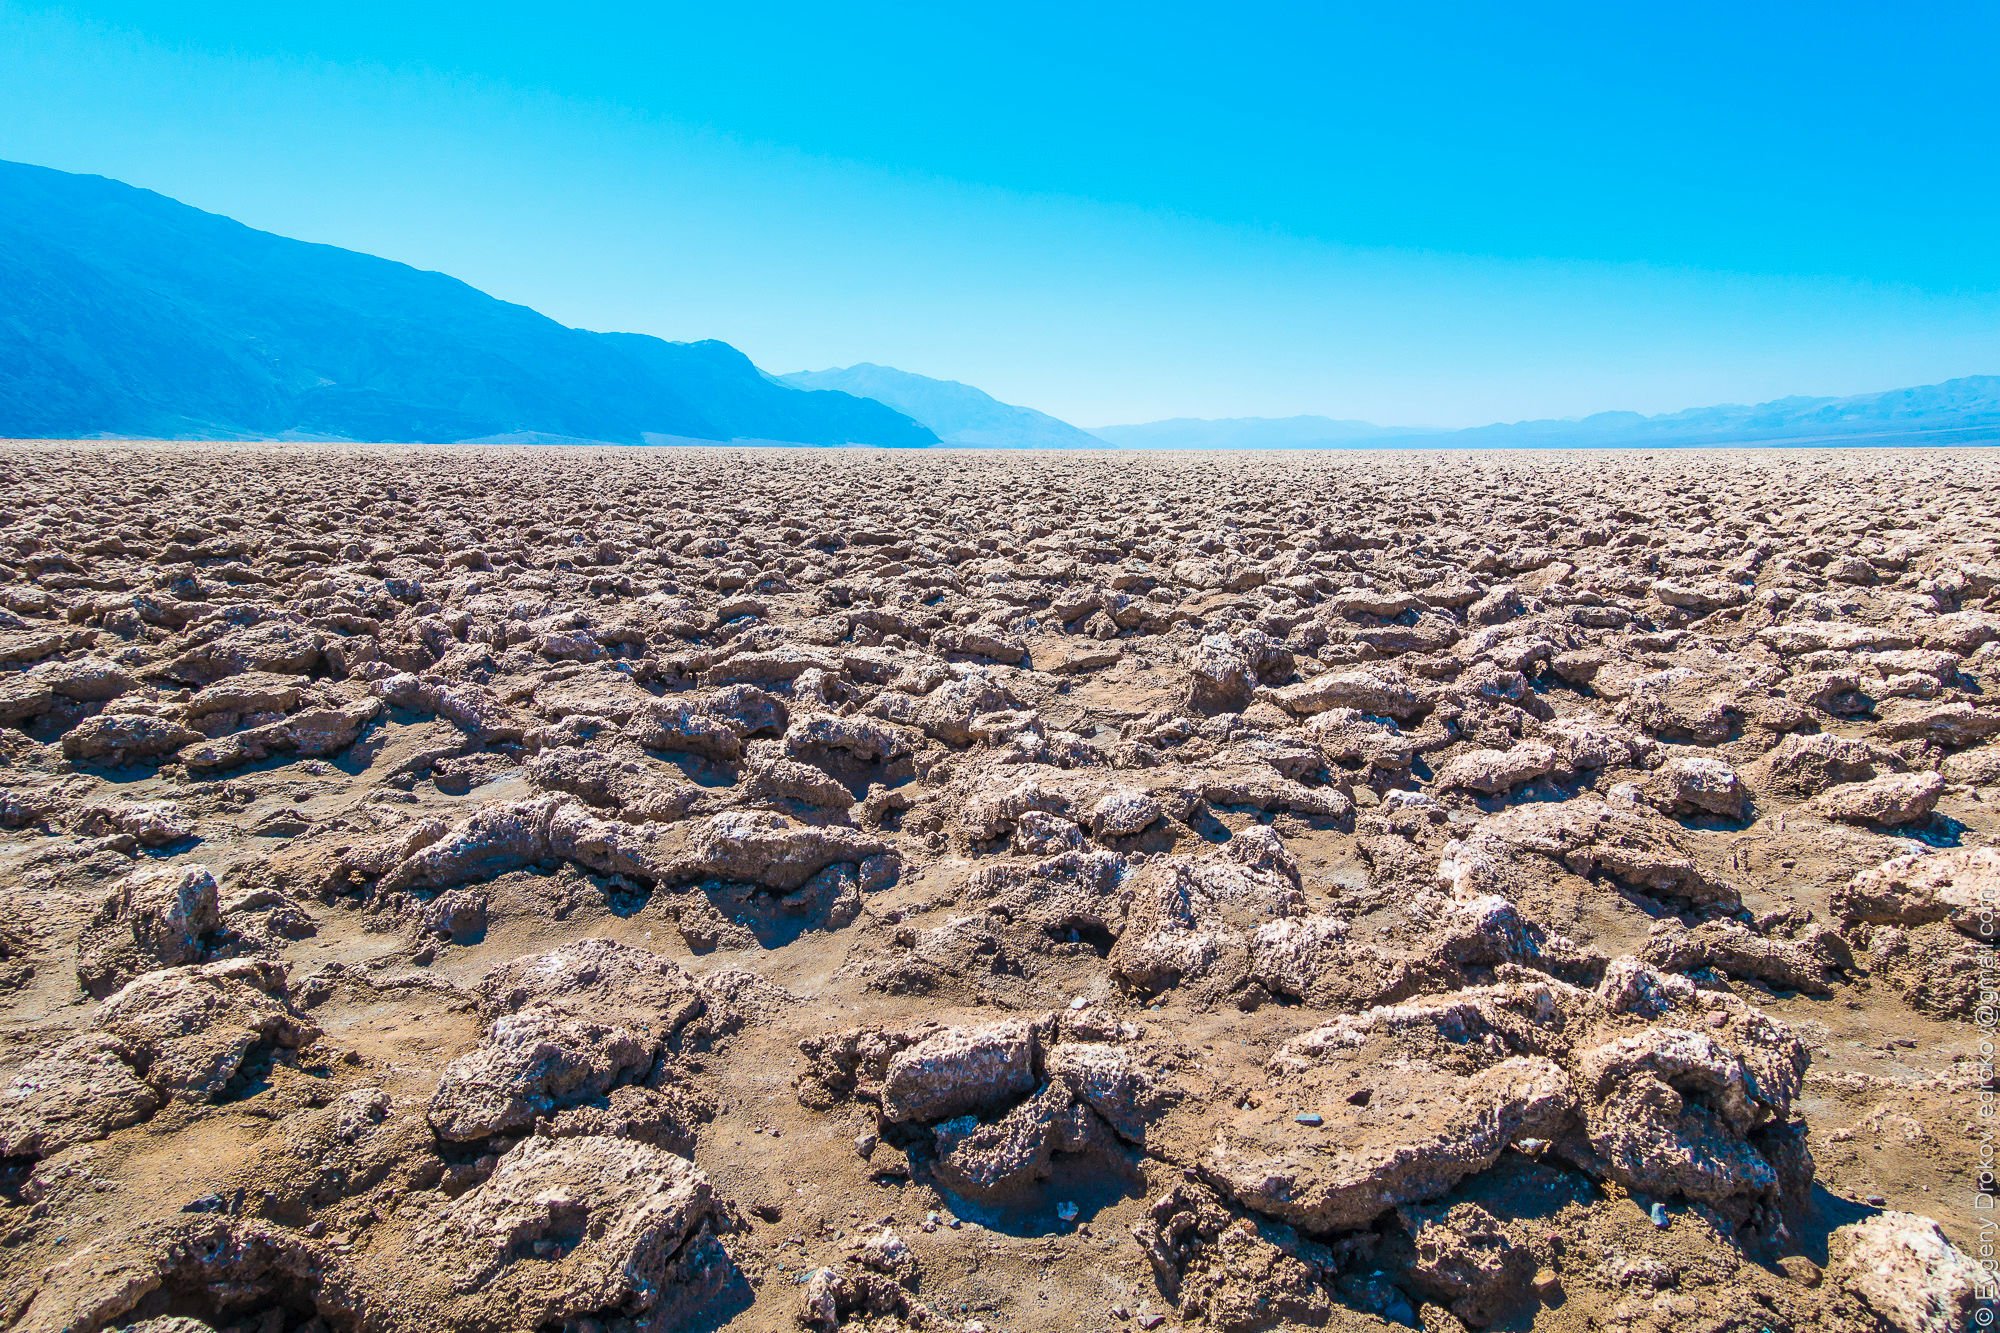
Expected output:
{"points": [[1956, 411], [125, 313], [1250, 433], [960, 414]]}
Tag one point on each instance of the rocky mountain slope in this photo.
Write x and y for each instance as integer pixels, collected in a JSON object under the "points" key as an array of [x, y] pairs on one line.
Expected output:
{"points": [[959, 413], [127, 313]]}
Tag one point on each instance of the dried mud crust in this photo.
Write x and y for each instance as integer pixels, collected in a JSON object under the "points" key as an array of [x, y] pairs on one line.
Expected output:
{"points": [[619, 890]]}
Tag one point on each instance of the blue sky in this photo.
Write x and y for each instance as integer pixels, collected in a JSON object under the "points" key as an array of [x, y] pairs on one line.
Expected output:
{"points": [[1443, 215]]}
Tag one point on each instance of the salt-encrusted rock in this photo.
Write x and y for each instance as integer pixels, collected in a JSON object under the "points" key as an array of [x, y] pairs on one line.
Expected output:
{"points": [[311, 733], [1669, 1112], [1496, 772], [572, 1229], [948, 711], [1698, 785], [151, 824], [194, 1028], [207, 1259], [1382, 694], [1805, 765], [1898, 798], [565, 1028], [1417, 1136], [87, 679], [1735, 950], [1958, 886], [228, 703], [1123, 813], [637, 789], [465, 704], [1073, 892], [777, 779], [492, 840], [1220, 677], [713, 725], [532, 1064], [163, 916], [1472, 1262], [1630, 844], [24, 698], [862, 738], [1109, 1080], [1225, 1269], [275, 645], [1192, 921], [1907, 1275], [765, 848], [126, 738], [958, 1070], [1680, 704], [82, 1090]]}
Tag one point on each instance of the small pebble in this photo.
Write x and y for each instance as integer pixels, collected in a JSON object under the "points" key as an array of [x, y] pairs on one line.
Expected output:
{"points": [[1309, 1118]]}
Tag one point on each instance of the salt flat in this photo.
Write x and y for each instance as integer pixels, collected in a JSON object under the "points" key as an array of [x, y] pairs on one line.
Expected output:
{"points": [[627, 889]]}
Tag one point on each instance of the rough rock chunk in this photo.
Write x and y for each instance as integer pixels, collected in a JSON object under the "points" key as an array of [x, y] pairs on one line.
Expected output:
{"points": [[1193, 921], [958, 1070], [574, 1229], [766, 848], [125, 738], [1953, 886], [196, 1028], [1699, 785], [1225, 1269], [1898, 798], [83, 1090], [163, 916], [564, 1029], [1496, 772], [1416, 1137], [1901, 1267]]}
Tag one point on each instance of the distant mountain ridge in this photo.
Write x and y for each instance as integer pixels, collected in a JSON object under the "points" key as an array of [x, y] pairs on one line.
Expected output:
{"points": [[1964, 410], [959, 413], [1305, 432], [1968, 405], [127, 313]]}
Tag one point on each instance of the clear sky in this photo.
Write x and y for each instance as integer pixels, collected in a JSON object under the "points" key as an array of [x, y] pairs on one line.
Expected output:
{"points": [[1444, 214]]}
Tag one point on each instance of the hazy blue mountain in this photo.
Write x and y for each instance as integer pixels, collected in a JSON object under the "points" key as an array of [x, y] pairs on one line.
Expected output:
{"points": [[1960, 410], [1955, 411], [959, 413], [123, 312], [1248, 433]]}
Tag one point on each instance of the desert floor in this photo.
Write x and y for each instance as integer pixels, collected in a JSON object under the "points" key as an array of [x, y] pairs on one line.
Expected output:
{"points": [[512, 889]]}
